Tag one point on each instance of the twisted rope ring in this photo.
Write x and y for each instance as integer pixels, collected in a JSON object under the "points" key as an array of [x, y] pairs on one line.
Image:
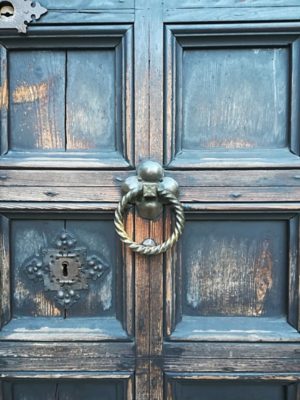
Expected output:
{"points": [[140, 248]]}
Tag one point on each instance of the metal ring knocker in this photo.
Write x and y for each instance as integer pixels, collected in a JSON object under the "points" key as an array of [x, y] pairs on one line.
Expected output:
{"points": [[149, 190]]}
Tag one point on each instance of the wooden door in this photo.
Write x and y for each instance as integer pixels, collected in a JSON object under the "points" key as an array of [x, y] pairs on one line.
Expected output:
{"points": [[209, 89]]}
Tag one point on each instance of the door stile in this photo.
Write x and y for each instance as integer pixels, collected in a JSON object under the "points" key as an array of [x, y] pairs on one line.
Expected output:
{"points": [[149, 145], [142, 146], [157, 227]]}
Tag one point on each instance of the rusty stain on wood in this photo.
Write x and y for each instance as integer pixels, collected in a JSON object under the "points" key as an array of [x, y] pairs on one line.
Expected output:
{"points": [[4, 96], [30, 93]]}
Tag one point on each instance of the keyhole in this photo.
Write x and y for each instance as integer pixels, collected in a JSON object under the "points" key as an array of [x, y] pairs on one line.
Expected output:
{"points": [[6, 9], [65, 265]]}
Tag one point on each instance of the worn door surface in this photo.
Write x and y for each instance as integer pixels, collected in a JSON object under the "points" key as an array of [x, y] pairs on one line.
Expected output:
{"points": [[209, 89]]}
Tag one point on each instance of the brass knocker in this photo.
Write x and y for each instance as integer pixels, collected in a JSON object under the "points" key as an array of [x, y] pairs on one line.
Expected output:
{"points": [[149, 191]]}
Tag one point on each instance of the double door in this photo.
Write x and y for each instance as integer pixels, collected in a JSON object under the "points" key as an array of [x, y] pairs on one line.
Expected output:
{"points": [[210, 90]]}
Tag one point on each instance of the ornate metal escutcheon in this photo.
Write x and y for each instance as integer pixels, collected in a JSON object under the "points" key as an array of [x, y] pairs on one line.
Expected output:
{"points": [[65, 269], [149, 191], [17, 14]]}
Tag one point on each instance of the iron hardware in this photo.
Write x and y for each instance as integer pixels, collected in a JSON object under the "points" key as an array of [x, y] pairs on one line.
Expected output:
{"points": [[65, 269], [149, 191], [17, 14]]}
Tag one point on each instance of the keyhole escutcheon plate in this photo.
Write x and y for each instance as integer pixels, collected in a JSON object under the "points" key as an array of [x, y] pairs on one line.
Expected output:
{"points": [[65, 269]]}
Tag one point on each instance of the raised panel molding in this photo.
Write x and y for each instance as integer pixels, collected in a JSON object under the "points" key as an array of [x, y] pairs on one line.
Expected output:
{"points": [[231, 386], [71, 103], [235, 278], [231, 96], [115, 386], [30, 312]]}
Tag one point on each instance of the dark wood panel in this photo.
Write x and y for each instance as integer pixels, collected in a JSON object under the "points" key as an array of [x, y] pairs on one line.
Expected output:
{"points": [[86, 16], [217, 88], [104, 309], [65, 390], [208, 118], [88, 5], [105, 296], [32, 390], [235, 268], [229, 390], [27, 238], [37, 97], [198, 179], [91, 99], [272, 359], [241, 262], [196, 4], [4, 99], [112, 194], [63, 356], [229, 14], [96, 125]]}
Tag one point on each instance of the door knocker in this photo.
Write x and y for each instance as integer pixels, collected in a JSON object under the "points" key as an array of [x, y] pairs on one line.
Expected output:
{"points": [[149, 191]]}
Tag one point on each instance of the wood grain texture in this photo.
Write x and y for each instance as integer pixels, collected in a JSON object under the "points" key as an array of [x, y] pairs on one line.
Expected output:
{"points": [[104, 296], [66, 390], [91, 100], [135, 335], [5, 272], [114, 179], [232, 268], [232, 14], [79, 5], [88, 123], [4, 99], [185, 290], [112, 195], [198, 62], [37, 100], [228, 390], [30, 299], [229, 3], [98, 308], [216, 112]]}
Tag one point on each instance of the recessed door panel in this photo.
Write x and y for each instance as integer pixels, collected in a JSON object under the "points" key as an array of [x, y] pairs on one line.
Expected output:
{"points": [[65, 98], [234, 278], [233, 97], [106, 389], [72, 289], [185, 389]]}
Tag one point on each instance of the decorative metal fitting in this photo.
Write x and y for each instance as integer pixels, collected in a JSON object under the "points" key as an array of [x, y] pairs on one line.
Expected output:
{"points": [[150, 182], [17, 14], [149, 191], [65, 269]]}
